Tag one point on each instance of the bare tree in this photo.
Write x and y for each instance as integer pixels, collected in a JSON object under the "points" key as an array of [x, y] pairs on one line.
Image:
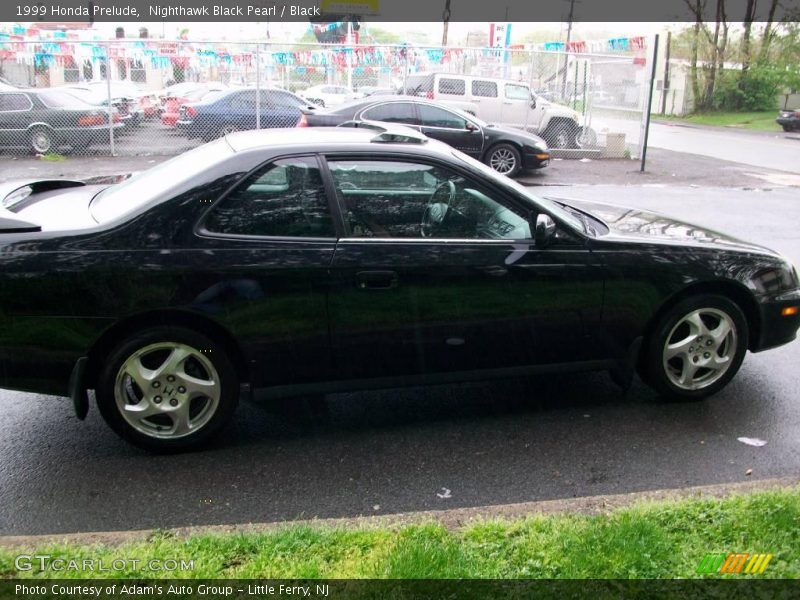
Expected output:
{"points": [[766, 37]]}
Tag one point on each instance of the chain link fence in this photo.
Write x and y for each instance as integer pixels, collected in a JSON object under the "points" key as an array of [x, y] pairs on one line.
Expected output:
{"points": [[139, 97]]}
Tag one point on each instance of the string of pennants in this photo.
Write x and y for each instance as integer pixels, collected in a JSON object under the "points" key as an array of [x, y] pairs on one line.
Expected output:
{"points": [[64, 48]]}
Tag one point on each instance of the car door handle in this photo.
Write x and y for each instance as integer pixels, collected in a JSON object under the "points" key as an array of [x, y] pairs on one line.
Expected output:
{"points": [[376, 280]]}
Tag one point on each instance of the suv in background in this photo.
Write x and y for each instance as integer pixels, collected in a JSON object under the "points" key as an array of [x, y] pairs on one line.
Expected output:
{"points": [[503, 102]]}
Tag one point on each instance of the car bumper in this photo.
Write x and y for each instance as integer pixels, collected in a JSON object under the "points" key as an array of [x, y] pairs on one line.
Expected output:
{"points": [[779, 319], [793, 122], [535, 159], [188, 128]]}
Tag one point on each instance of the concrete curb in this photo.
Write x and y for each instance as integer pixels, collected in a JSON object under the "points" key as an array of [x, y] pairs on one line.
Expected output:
{"points": [[452, 518]]}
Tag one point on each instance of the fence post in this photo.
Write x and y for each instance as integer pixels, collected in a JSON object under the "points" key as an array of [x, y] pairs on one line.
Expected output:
{"points": [[646, 120], [258, 88], [108, 93], [405, 67], [530, 87]]}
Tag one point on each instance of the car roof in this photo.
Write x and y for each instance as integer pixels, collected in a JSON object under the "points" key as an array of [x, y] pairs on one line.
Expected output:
{"points": [[459, 75], [351, 137]]}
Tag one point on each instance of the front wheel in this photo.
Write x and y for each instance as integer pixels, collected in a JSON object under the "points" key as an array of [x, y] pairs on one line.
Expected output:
{"points": [[167, 388], [696, 348], [505, 159]]}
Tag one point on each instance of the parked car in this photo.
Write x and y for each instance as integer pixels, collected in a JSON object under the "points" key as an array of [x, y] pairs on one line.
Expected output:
{"points": [[235, 110], [328, 95], [505, 102], [789, 120], [313, 259], [47, 119], [128, 106], [100, 100], [506, 150], [146, 100], [170, 111]]}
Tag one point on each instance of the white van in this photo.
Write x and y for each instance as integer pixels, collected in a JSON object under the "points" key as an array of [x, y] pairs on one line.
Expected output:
{"points": [[502, 102]]}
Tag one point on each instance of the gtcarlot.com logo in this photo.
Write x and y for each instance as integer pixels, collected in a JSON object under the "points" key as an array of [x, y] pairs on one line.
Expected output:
{"points": [[46, 562]]}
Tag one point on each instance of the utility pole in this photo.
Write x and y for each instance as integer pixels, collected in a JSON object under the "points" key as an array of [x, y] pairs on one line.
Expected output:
{"points": [[445, 21], [566, 55]]}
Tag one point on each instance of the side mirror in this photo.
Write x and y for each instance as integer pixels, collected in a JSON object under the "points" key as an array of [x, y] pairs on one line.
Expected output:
{"points": [[545, 230], [533, 101], [470, 126]]}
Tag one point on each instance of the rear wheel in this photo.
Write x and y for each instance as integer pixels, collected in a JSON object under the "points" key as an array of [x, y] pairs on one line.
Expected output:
{"points": [[787, 128], [167, 388], [41, 139], [696, 348]]}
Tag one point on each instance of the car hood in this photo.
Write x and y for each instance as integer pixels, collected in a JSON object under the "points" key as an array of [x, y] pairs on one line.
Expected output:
{"points": [[518, 135], [637, 225]]}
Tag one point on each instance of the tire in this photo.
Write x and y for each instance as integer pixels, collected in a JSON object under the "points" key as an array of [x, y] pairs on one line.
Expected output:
{"points": [[585, 137], [180, 417], [504, 159], [700, 362], [561, 135], [41, 140], [787, 128]]}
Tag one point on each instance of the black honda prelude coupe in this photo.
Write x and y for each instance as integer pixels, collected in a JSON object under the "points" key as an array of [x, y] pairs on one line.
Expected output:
{"points": [[331, 259]]}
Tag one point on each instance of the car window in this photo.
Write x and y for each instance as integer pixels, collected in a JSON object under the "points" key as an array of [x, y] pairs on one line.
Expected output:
{"points": [[285, 199], [9, 102], [452, 87], [419, 85], [59, 99], [518, 92], [406, 199], [279, 99], [392, 112], [487, 89], [244, 101], [433, 116]]}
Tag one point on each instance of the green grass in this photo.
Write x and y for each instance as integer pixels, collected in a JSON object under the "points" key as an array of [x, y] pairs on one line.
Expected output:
{"points": [[760, 120], [651, 540], [53, 157]]}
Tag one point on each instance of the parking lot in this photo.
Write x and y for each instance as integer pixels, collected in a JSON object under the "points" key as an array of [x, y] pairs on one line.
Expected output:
{"points": [[424, 448]]}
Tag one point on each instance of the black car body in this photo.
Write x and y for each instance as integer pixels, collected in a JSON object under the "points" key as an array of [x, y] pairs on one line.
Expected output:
{"points": [[325, 259], [43, 120], [506, 150], [232, 110], [789, 120]]}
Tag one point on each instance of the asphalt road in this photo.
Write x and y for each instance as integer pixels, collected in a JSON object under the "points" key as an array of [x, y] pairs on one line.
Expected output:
{"points": [[760, 149], [400, 450]]}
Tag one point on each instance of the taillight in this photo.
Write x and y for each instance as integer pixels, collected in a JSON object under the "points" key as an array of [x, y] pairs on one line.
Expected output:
{"points": [[429, 95], [188, 111], [91, 120], [115, 118], [303, 122]]}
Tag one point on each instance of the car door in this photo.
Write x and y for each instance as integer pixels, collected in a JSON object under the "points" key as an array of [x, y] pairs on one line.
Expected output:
{"points": [[15, 116], [473, 292], [517, 108], [451, 128], [241, 111], [484, 95], [266, 248]]}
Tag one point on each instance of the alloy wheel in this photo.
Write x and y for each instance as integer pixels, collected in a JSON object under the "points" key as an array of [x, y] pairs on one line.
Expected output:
{"points": [[700, 348], [167, 390], [41, 141], [503, 161]]}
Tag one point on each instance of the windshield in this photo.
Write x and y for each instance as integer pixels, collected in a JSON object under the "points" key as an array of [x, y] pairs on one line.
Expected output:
{"points": [[551, 207], [126, 197]]}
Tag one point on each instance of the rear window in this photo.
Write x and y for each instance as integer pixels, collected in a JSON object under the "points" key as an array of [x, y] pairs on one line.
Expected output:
{"points": [[452, 87], [59, 99], [9, 102]]}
